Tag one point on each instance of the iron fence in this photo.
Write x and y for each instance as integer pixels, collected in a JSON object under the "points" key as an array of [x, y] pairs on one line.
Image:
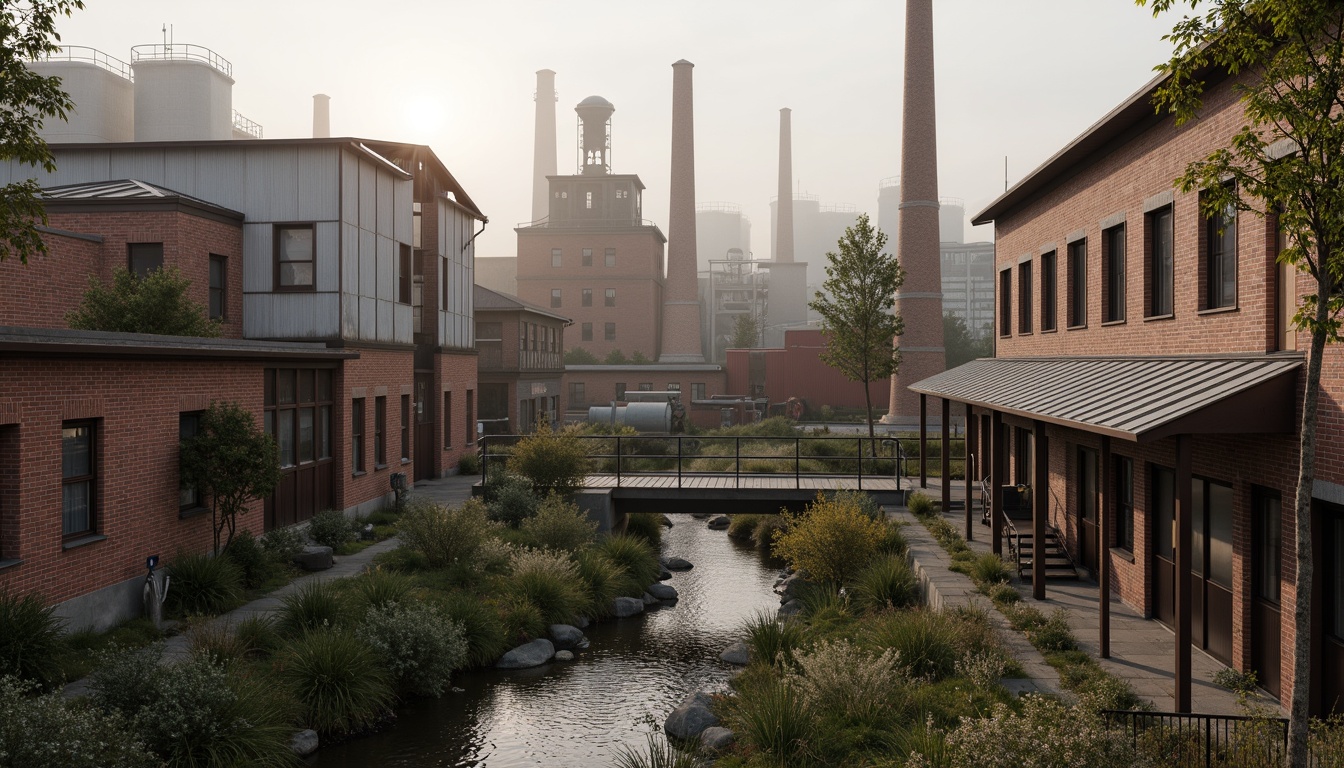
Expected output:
{"points": [[1204, 741]]}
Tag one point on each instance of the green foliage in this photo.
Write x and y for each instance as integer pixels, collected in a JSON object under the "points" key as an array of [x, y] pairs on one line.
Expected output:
{"points": [[445, 536], [551, 461], [232, 461], [772, 641], [331, 528], [639, 358], [841, 678], [855, 306], [482, 629], [743, 526], [203, 584], [746, 332], [256, 564], [418, 644], [313, 606], [469, 463], [961, 346], [522, 619], [658, 754], [340, 683], [257, 635], [28, 33], [48, 730], [511, 500], [1001, 594], [602, 580], [378, 587], [1045, 734], [990, 569], [284, 544], [580, 356], [926, 642], [1054, 634], [831, 540], [30, 639], [560, 525], [764, 532], [157, 303], [919, 504], [774, 720], [636, 559], [551, 582], [646, 526], [887, 582], [615, 357]]}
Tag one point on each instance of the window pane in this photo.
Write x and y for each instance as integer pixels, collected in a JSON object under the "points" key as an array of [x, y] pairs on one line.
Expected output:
{"points": [[144, 258], [296, 273], [1220, 534], [305, 434], [324, 386], [306, 386], [284, 385], [296, 244], [1268, 545], [1164, 508], [76, 503], [285, 438], [76, 451], [324, 432], [1197, 527]]}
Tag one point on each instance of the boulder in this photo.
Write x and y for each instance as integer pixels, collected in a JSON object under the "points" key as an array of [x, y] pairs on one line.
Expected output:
{"points": [[564, 655], [648, 599], [663, 573], [690, 719], [677, 564], [527, 655], [791, 608], [719, 523], [716, 739], [737, 654], [789, 587], [566, 637], [622, 607], [699, 515], [314, 558], [581, 622], [662, 591], [666, 521], [304, 743]]}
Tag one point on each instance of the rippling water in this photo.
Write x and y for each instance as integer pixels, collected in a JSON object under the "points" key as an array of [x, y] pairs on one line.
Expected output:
{"points": [[580, 713]]}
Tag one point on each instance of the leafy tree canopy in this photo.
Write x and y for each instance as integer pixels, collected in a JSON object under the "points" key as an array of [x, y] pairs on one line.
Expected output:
{"points": [[746, 332], [580, 356], [231, 461], [961, 346], [157, 303]]}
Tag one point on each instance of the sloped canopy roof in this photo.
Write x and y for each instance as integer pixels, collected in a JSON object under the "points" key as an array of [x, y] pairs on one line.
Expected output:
{"points": [[119, 192], [486, 299], [1132, 398]]}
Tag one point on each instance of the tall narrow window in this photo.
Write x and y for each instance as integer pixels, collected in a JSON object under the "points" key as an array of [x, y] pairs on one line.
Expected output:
{"points": [[143, 258], [555, 257], [188, 424], [405, 272], [1078, 284], [620, 390], [609, 257], [294, 258], [219, 275], [1024, 300], [1220, 262], [577, 395], [470, 420], [79, 470], [447, 419], [1160, 263], [587, 297], [609, 333], [405, 427], [379, 432], [1113, 275], [1048, 291], [587, 257], [1006, 302], [555, 297], [1267, 535], [609, 299], [356, 434], [586, 331], [1124, 503]]}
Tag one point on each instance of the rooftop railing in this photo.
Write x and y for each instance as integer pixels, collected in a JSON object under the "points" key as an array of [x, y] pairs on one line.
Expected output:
{"points": [[181, 52], [93, 56]]}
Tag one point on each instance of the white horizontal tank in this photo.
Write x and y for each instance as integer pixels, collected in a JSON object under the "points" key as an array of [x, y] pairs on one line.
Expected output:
{"points": [[182, 93]]}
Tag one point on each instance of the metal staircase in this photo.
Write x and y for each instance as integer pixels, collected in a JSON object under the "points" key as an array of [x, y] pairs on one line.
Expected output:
{"points": [[1022, 546]]}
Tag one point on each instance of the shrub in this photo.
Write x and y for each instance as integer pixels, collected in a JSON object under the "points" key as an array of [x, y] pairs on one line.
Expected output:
{"points": [[1001, 594], [838, 677], [658, 754], [635, 558], [331, 528], [445, 536], [469, 463], [521, 618], [773, 719], [832, 540], [551, 461], [257, 634], [743, 526], [216, 640], [990, 569], [764, 533], [772, 641], [560, 525], [418, 644], [511, 500], [925, 640], [887, 582], [378, 587], [30, 639], [893, 541], [481, 627], [863, 500], [283, 544], [824, 605], [203, 584], [1046, 734], [646, 526], [315, 605], [254, 563], [551, 582], [919, 504], [602, 580], [339, 681], [47, 730], [1054, 634]]}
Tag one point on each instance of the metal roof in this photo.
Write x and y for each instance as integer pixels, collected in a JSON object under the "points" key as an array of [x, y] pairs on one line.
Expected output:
{"points": [[63, 342], [1132, 398], [493, 301], [128, 191]]}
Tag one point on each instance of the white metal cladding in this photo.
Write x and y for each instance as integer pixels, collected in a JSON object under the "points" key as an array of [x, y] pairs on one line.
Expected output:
{"points": [[328, 256], [456, 323], [291, 315], [258, 259]]}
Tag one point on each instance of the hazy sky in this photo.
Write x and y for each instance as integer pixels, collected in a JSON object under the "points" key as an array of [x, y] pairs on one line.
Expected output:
{"points": [[1015, 77]]}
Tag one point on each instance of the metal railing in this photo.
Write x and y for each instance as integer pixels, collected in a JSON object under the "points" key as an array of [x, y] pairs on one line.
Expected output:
{"points": [[245, 126], [92, 55], [1204, 741], [181, 52]]}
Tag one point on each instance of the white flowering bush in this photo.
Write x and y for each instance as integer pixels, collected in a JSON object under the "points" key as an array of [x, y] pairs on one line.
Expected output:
{"points": [[551, 583], [983, 668], [840, 677], [1046, 734], [418, 644], [47, 730], [560, 525]]}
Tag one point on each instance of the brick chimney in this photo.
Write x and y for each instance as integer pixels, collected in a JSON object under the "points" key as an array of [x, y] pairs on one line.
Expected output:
{"points": [[920, 300], [784, 202], [543, 152], [681, 304]]}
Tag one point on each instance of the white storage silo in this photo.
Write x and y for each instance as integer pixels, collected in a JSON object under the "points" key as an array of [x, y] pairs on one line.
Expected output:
{"points": [[951, 220], [182, 93], [102, 91]]}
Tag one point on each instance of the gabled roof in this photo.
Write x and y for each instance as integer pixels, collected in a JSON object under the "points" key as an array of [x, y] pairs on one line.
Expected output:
{"points": [[119, 192], [489, 300], [1133, 398]]}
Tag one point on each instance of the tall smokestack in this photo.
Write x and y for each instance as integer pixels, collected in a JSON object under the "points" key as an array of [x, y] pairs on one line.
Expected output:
{"points": [[321, 116], [543, 152], [681, 305], [784, 203], [920, 299]]}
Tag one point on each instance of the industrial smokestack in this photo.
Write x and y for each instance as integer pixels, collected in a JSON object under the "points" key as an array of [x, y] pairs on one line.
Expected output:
{"points": [[920, 299], [681, 305], [321, 116], [543, 153], [784, 203]]}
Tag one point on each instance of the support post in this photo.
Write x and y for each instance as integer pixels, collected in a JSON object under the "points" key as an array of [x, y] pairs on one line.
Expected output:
{"points": [[1104, 548], [996, 478], [923, 441], [945, 465], [970, 471], [1184, 537], [1040, 508]]}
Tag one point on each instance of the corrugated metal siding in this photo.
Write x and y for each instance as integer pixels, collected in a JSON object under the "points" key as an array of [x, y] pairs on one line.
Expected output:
{"points": [[368, 318], [386, 203], [402, 317], [368, 196], [290, 315], [328, 256], [319, 184], [221, 177], [387, 270], [404, 192], [258, 258], [349, 188]]}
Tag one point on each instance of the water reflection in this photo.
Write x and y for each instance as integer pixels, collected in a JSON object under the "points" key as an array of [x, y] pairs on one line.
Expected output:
{"points": [[580, 713]]}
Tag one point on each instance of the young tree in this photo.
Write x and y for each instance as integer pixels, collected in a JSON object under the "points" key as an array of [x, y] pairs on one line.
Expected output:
{"points": [[156, 303], [746, 332], [27, 32], [232, 461], [1288, 58], [856, 309]]}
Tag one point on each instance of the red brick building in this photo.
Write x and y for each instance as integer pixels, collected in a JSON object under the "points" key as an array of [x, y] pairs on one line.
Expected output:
{"points": [[1148, 376], [796, 370], [521, 364]]}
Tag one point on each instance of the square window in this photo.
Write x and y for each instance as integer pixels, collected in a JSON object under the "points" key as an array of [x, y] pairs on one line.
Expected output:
{"points": [[143, 258], [294, 258], [609, 332], [697, 391], [610, 298], [587, 296], [555, 297], [1160, 246], [219, 275], [79, 475], [1078, 284], [1113, 274]]}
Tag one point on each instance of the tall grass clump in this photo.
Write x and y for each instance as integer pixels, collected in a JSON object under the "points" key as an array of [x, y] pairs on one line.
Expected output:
{"points": [[551, 461], [926, 641], [340, 683], [743, 526], [831, 540], [775, 721], [841, 678], [602, 580], [770, 640], [30, 639], [46, 729], [919, 504], [377, 587], [445, 536], [989, 569], [646, 526], [560, 525], [549, 581], [521, 618], [417, 642], [482, 629], [658, 753], [315, 605], [203, 584], [887, 582], [636, 559]]}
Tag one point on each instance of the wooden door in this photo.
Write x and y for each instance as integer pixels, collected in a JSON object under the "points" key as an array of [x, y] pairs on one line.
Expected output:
{"points": [[424, 428], [1088, 539], [1328, 609], [1215, 577], [1266, 575], [1163, 506]]}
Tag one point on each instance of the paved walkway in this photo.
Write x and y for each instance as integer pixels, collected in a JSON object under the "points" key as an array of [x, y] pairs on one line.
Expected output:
{"points": [[450, 490]]}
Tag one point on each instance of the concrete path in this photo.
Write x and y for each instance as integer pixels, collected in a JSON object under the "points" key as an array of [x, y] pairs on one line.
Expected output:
{"points": [[450, 491]]}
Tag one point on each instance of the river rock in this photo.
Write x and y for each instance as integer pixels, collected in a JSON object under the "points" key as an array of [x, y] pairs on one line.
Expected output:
{"points": [[666, 521], [716, 739], [622, 607], [789, 587], [304, 743], [699, 515], [719, 523], [314, 558], [564, 655], [663, 573], [648, 599], [677, 564], [662, 591], [581, 622], [532, 654], [566, 637], [737, 654], [791, 608], [690, 719]]}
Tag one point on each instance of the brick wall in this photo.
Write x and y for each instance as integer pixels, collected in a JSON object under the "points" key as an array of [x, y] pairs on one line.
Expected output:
{"points": [[377, 373], [455, 373]]}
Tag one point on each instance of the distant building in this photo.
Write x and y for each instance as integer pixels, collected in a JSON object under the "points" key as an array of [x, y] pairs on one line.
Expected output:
{"points": [[498, 273], [968, 285], [817, 229], [520, 364], [720, 228]]}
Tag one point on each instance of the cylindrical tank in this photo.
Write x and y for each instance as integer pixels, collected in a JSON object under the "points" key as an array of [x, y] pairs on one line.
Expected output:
{"points": [[645, 417], [100, 87], [321, 116], [951, 220], [182, 93], [595, 135], [889, 209]]}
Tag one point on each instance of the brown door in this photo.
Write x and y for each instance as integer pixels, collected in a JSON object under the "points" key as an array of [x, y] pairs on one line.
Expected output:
{"points": [[1214, 569], [1088, 540], [1164, 554], [1328, 609], [1266, 572], [298, 416], [424, 428]]}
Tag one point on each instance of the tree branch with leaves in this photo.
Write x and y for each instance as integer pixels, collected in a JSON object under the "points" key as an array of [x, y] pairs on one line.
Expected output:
{"points": [[232, 461]]}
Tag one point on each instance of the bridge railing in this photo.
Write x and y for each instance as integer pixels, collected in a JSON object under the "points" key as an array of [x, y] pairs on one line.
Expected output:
{"points": [[737, 456]]}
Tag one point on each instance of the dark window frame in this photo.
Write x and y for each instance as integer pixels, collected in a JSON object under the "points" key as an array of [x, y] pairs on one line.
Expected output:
{"points": [[586, 332], [1218, 260], [1077, 290], [557, 257], [1006, 303], [405, 428], [1160, 252], [1124, 503], [586, 297], [697, 391], [217, 304], [277, 237], [577, 393], [138, 252], [188, 497], [555, 298], [587, 257], [609, 257], [609, 331], [1024, 324], [609, 297], [405, 274], [89, 479], [1262, 501], [357, 435], [448, 420], [1114, 251], [380, 432], [1049, 290]]}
